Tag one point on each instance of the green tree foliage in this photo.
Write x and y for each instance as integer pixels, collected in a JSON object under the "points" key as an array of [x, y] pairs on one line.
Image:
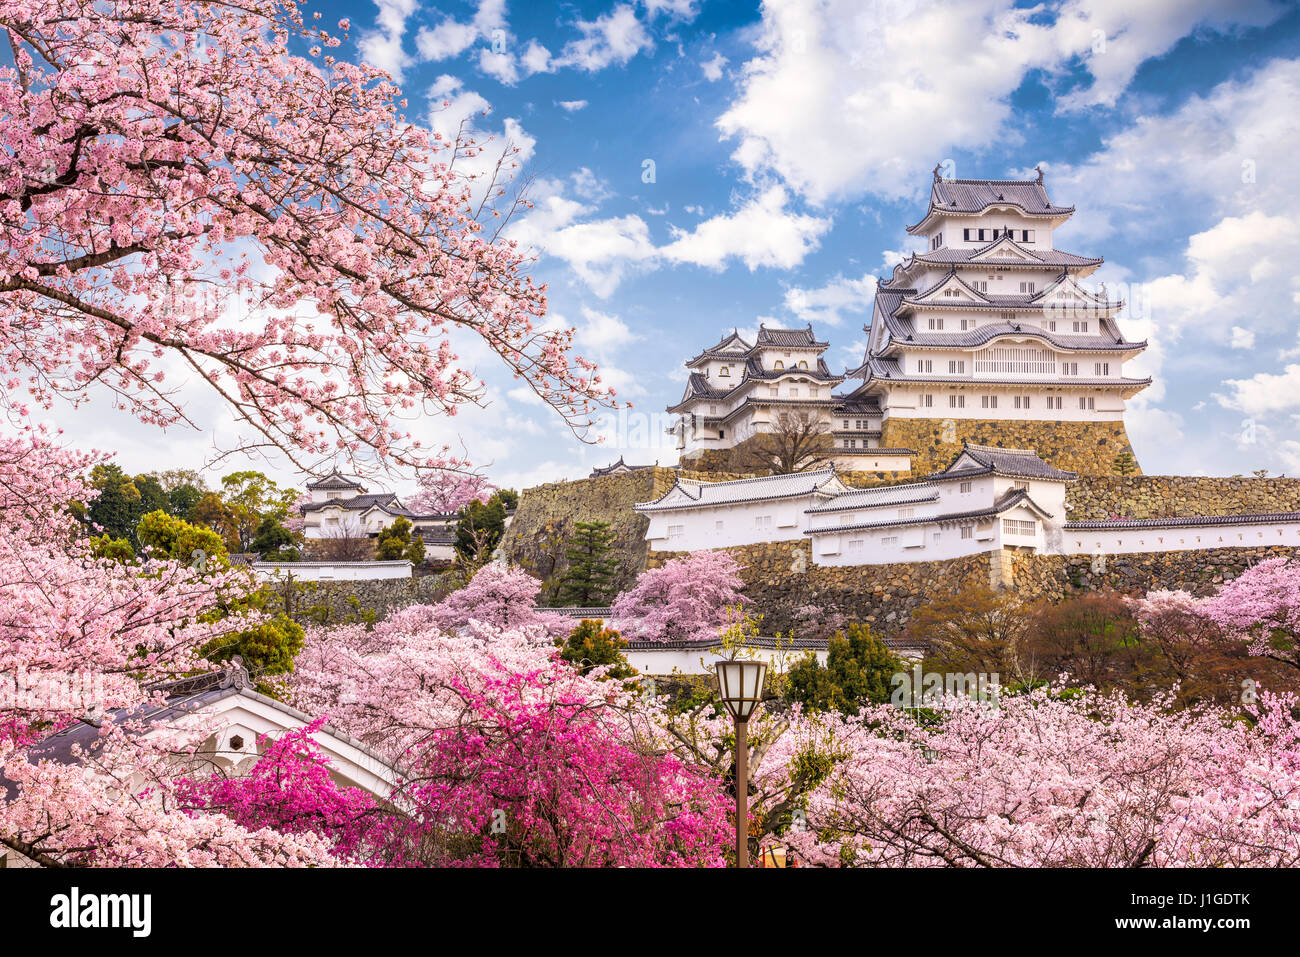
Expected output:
{"points": [[858, 670], [250, 497], [268, 647], [153, 497], [211, 512], [183, 498], [114, 549], [591, 645], [117, 507], [399, 541], [589, 578], [480, 528], [165, 536], [274, 542]]}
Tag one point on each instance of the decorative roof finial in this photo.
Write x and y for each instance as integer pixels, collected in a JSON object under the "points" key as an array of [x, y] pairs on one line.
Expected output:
{"points": [[1039, 171], [937, 167]]}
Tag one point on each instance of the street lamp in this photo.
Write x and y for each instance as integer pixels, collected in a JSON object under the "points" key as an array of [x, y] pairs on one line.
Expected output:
{"points": [[740, 686]]}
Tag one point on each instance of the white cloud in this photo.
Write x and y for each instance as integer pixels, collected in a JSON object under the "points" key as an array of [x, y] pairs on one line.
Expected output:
{"points": [[1264, 393], [382, 46], [1242, 338], [846, 98], [572, 106], [603, 334], [713, 68], [602, 252], [828, 303], [450, 37], [612, 38], [762, 232]]}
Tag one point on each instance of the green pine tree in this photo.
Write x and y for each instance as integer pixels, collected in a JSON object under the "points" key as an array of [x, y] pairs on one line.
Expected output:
{"points": [[592, 644], [1124, 464], [589, 579]]}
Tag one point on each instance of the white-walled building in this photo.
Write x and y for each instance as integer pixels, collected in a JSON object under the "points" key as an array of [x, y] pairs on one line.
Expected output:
{"points": [[341, 507], [737, 390], [988, 499], [695, 515], [992, 321]]}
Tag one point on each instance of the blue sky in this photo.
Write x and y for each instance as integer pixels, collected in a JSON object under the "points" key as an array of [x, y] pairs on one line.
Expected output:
{"points": [[701, 166]]}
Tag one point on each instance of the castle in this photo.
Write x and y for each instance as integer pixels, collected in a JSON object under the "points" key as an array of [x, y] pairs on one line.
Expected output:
{"points": [[992, 378], [988, 336]]}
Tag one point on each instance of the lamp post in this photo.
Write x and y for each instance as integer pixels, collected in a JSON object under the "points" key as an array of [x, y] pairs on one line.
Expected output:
{"points": [[740, 686]]}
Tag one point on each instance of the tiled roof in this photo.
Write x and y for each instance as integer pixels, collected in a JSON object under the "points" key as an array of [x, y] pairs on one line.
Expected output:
{"points": [[718, 351], [1020, 463], [615, 466], [976, 195], [754, 370], [869, 406], [788, 337], [1188, 521], [359, 503], [759, 489], [335, 480], [1008, 500], [1107, 338], [888, 369], [949, 255], [878, 497]]}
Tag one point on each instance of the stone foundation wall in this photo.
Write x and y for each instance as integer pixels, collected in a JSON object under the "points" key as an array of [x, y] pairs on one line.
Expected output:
{"points": [[1166, 496], [1088, 448], [780, 579]]}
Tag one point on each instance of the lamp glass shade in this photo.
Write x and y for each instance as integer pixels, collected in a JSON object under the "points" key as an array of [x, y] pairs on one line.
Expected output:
{"points": [[740, 686]]}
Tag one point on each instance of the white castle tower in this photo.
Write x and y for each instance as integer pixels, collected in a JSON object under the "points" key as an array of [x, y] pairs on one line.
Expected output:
{"points": [[989, 336]]}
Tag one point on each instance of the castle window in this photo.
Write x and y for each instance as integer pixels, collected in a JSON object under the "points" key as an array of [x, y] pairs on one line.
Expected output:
{"points": [[846, 423], [1069, 368], [957, 366], [676, 531], [889, 540], [1015, 526], [1020, 485], [1027, 235], [722, 434], [967, 324], [1087, 402], [1102, 368], [936, 240], [956, 402], [968, 531], [725, 372], [1022, 402], [773, 392], [965, 488], [980, 285], [924, 365], [927, 400], [779, 365], [966, 234], [717, 526], [907, 513], [938, 323], [794, 393], [855, 544], [762, 521], [1081, 327], [1026, 287], [1054, 402], [803, 363], [990, 401]]}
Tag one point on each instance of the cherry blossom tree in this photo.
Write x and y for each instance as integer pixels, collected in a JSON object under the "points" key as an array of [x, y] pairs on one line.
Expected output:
{"points": [[1050, 780], [500, 597], [82, 640], [178, 188], [445, 490], [1262, 608], [685, 599]]}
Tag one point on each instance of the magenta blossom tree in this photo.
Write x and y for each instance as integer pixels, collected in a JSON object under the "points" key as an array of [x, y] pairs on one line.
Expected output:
{"points": [[445, 490], [1262, 608], [500, 597]]}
